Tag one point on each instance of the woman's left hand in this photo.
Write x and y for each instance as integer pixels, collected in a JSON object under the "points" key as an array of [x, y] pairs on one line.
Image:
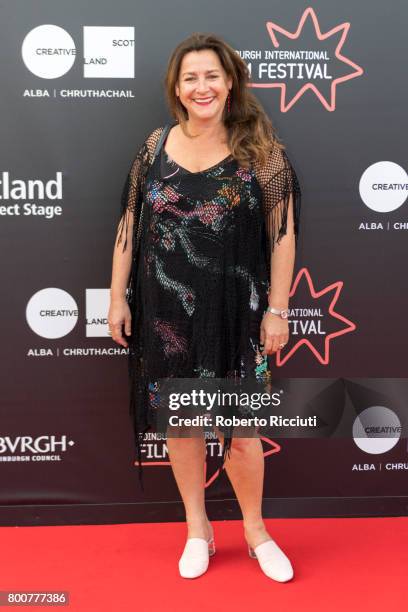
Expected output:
{"points": [[274, 331]]}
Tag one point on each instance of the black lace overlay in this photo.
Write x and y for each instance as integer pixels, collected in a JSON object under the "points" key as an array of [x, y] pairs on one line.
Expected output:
{"points": [[201, 253]]}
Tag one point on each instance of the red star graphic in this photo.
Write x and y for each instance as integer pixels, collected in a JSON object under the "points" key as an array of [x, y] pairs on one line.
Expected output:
{"points": [[350, 326], [357, 70]]}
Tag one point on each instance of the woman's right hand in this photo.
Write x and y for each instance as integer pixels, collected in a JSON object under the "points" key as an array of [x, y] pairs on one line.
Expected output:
{"points": [[119, 316]]}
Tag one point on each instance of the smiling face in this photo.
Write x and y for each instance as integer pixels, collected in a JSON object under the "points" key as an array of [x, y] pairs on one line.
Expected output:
{"points": [[203, 85]]}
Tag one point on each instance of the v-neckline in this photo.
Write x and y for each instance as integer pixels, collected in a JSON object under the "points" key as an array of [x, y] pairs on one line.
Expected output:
{"points": [[185, 169]]}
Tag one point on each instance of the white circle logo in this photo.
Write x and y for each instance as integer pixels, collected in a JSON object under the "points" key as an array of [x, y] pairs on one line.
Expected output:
{"points": [[384, 186], [376, 430], [52, 313], [48, 51]]}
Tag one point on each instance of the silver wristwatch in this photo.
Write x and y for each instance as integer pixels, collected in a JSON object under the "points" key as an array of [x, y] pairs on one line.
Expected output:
{"points": [[282, 313]]}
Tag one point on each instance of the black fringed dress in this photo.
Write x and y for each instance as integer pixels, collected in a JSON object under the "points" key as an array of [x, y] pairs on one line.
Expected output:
{"points": [[201, 258]]}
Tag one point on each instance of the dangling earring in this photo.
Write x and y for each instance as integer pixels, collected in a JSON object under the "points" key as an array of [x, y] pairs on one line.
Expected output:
{"points": [[229, 102]]}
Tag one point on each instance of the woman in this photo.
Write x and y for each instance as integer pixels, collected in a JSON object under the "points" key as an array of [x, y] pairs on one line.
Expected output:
{"points": [[211, 208]]}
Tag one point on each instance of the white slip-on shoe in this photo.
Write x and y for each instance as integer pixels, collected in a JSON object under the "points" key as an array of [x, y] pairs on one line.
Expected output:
{"points": [[273, 561], [195, 558]]}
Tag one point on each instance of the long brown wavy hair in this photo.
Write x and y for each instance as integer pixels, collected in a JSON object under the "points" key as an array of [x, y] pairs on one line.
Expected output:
{"points": [[251, 135]]}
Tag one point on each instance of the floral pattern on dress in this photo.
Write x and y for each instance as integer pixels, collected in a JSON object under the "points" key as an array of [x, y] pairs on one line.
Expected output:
{"points": [[204, 274]]}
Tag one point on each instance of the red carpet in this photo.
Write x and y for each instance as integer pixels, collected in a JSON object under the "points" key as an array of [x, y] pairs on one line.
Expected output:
{"points": [[340, 564]]}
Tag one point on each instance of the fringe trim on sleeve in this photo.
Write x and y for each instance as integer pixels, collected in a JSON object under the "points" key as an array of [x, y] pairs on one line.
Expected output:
{"points": [[282, 188], [132, 195]]}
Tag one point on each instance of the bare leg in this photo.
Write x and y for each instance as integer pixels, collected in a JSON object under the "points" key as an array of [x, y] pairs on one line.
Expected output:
{"points": [[187, 457], [245, 470]]}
